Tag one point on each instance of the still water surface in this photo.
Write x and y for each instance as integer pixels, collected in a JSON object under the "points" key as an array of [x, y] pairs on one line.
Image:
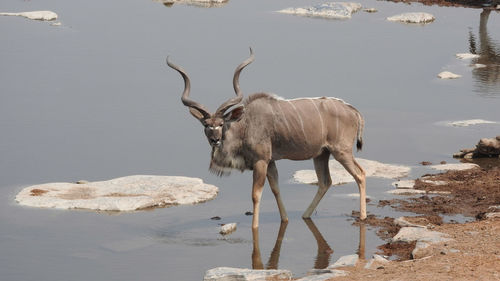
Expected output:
{"points": [[93, 99]]}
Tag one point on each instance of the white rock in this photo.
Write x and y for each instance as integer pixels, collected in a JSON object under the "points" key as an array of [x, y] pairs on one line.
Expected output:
{"points": [[492, 215], [412, 18], [479, 65], [227, 228], [349, 260], [404, 184], [332, 10], [120, 194], [465, 56], [467, 123], [341, 176], [448, 75], [409, 234], [454, 167], [241, 274], [34, 15], [420, 250], [378, 259], [381, 259]]}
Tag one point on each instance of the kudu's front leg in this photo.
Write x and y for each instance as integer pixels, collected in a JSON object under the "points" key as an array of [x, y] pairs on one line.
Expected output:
{"points": [[259, 178]]}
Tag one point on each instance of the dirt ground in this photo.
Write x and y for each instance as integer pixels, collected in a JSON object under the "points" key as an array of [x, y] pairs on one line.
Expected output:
{"points": [[474, 252]]}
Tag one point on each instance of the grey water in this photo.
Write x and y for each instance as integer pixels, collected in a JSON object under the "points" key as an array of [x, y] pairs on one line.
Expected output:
{"points": [[93, 99]]}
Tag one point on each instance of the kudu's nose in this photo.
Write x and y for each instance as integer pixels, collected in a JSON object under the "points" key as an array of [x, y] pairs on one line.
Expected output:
{"points": [[214, 141]]}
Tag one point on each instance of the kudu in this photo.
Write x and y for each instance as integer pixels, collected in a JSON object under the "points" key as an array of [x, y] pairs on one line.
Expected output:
{"points": [[265, 128]]}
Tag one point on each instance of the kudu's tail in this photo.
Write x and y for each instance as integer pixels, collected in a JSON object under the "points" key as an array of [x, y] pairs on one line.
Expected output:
{"points": [[361, 125]]}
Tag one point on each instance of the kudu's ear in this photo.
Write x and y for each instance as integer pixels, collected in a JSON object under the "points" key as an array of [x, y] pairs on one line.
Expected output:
{"points": [[235, 114], [196, 114]]}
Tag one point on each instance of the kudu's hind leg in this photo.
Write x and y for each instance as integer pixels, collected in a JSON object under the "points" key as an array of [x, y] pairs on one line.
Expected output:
{"points": [[324, 181], [347, 160], [272, 178]]}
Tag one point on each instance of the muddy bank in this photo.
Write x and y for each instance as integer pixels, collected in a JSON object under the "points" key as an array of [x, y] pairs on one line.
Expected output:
{"points": [[473, 193]]}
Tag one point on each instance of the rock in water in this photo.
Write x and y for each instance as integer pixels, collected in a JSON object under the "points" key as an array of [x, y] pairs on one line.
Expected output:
{"points": [[35, 15], [333, 10], [341, 176], [448, 75], [227, 228], [413, 18], [120, 194]]}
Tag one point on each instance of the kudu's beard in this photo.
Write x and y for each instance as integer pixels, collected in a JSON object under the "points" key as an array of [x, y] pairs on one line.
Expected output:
{"points": [[222, 163]]}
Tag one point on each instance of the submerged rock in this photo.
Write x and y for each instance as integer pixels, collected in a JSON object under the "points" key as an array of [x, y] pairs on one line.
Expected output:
{"points": [[332, 10], [448, 75], [412, 18], [341, 176], [34, 15], [120, 194], [242, 274], [464, 56], [467, 123]]}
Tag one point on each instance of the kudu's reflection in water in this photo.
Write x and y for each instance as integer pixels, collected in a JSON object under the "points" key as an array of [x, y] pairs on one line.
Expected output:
{"points": [[323, 255]]}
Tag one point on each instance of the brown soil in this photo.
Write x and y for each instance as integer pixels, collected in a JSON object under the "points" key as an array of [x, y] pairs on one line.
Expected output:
{"points": [[37, 192], [474, 252], [472, 193]]}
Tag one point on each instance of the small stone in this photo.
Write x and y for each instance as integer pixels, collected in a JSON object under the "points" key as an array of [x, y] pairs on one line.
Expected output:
{"points": [[82, 182], [370, 10], [216, 218], [227, 228], [404, 184], [448, 75], [248, 213]]}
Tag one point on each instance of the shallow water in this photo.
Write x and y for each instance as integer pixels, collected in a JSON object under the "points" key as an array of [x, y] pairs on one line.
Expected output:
{"points": [[93, 99]]}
